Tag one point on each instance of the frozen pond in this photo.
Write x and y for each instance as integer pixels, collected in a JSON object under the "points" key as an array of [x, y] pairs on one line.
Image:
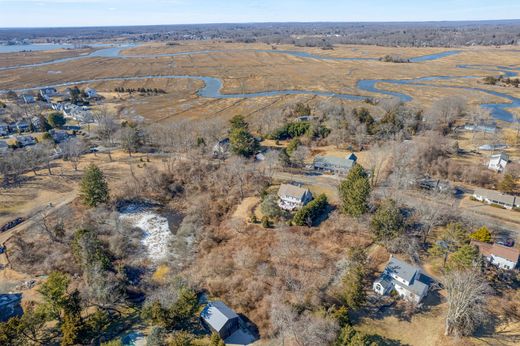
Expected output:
{"points": [[156, 227]]}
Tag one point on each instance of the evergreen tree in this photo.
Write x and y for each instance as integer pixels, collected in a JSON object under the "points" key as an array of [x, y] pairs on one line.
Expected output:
{"points": [[354, 192], [56, 120], [387, 222], [354, 279], [242, 142], [465, 257], [94, 188], [216, 340], [308, 214]]}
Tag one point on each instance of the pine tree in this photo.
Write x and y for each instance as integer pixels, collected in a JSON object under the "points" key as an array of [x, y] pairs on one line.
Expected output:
{"points": [[216, 340], [354, 192], [94, 188], [387, 223]]}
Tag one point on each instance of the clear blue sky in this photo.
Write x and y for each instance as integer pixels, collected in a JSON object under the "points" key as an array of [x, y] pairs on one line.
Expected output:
{"points": [[37, 13]]}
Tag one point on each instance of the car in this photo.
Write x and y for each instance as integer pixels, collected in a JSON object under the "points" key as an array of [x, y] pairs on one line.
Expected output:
{"points": [[11, 224], [506, 242]]}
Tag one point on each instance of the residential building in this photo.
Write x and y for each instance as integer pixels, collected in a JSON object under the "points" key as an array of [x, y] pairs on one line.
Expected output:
{"points": [[90, 92], [407, 280], [22, 126], [496, 197], [47, 93], [293, 197], [38, 123], [25, 141], [502, 256], [335, 165], [221, 148], [498, 162], [218, 317], [28, 98], [483, 127], [59, 135], [492, 147]]}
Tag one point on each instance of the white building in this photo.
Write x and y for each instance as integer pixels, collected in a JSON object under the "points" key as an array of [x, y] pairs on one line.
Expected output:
{"points": [[90, 92], [502, 256], [408, 281], [497, 198], [293, 197], [498, 162]]}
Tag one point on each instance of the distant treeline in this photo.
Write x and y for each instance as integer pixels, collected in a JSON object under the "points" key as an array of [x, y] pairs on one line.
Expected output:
{"points": [[325, 35], [501, 79], [140, 90]]}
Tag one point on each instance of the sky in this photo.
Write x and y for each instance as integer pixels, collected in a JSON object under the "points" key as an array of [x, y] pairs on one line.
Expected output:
{"points": [[58, 13]]}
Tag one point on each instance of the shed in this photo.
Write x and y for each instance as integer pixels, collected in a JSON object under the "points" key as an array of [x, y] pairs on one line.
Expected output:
{"points": [[220, 319]]}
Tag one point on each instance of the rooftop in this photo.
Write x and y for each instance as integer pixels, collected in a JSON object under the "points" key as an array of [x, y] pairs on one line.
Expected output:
{"points": [[216, 314], [495, 196], [333, 161], [402, 269], [288, 190], [508, 253]]}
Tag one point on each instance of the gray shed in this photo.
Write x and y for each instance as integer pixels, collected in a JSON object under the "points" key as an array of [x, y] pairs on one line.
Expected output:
{"points": [[220, 319]]}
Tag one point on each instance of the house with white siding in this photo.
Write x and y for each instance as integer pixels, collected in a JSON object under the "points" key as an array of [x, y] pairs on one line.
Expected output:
{"points": [[293, 197], [498, 162], [502, 256], [405, 279]]}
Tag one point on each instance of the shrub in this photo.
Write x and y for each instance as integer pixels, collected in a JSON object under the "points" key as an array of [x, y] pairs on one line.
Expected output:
{"points": [[482, 234], [309, 213]]}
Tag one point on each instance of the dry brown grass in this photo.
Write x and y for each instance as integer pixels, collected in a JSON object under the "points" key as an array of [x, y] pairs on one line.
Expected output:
{"points": [[26, 58]]}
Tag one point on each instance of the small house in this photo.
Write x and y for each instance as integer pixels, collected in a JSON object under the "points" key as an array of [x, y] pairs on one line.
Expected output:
{"points": [[219, 318], [22, 126], [497, 198], [408, 281], [335, 165], [47, 93], [25, 141], [59, 135], [502, 256], [28, 98], [38, 123], [293, 197], [90, 92], [498, 162]]}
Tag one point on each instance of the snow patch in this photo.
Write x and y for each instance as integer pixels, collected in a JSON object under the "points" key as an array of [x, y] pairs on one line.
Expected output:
{"points": [[157, 233]]}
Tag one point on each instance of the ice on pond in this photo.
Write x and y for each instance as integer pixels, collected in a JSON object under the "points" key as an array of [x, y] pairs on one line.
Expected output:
{"points": [[157, 234]]}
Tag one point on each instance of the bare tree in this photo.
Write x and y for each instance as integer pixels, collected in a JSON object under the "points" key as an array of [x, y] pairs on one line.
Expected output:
{"points": [[467, 294], [106, 128], [72, 151]]}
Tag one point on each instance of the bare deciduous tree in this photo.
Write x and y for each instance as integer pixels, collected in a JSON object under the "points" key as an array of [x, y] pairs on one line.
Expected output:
{"points": [[467, 294]]}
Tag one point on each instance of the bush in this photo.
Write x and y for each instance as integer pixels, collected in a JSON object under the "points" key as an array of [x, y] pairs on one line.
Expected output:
{"points": [[265, 222], [307, 215], [291, 130], [482, 234]]}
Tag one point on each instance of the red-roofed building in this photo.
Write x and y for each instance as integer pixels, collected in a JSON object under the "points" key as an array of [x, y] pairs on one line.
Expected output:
{"points": [[502, 256]]}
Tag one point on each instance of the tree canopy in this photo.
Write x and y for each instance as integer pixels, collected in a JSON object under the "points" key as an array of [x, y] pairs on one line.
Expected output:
{"points": [[93, 187], [354, 192]]}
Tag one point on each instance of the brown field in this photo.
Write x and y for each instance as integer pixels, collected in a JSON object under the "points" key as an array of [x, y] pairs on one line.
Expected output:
{"points": [[26, 58], [244, 70]]}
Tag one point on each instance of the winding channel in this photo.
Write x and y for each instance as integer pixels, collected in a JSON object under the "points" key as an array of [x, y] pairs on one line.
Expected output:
{"points": [[213, 86]]}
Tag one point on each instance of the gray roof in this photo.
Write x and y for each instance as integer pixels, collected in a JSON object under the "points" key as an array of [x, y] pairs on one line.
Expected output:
{"points": [[407, 272], [216, 314], [334, 162], [497, 196], [288, 190], [401, 269]]}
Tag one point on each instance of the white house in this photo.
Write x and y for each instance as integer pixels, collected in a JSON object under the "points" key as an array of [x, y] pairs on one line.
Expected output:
{"points": [[408, 281], [90, 92], [502, 256], [496, 197], [293, 197], [498, 162]]}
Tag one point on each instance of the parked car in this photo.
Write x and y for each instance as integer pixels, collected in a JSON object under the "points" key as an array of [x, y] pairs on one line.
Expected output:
{"points": [[506, 242], [12, 224]]}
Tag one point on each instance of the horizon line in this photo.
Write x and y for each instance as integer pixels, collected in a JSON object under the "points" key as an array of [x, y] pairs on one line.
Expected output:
{"points": [[266, 22]]}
